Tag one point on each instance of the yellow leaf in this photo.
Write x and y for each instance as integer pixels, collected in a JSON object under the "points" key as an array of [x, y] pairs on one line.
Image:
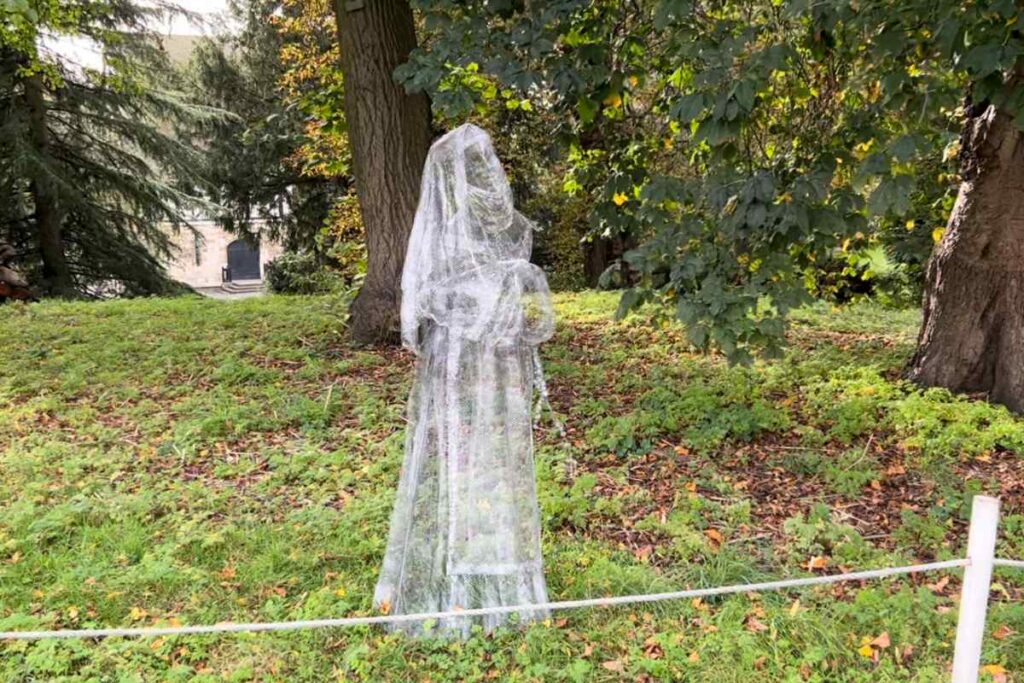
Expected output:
{"points": [[937, 234], [817, 562], [997, 672], [614, 100], [866, 651], [341, 592], [620, 198], [911, 223], [137, 613]]}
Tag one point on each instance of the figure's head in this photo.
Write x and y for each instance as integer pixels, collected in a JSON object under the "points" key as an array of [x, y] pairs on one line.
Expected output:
{"points": [[468, 168]]}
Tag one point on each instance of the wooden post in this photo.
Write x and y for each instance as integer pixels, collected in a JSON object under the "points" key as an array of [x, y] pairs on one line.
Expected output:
{"points": [[970, 631]]}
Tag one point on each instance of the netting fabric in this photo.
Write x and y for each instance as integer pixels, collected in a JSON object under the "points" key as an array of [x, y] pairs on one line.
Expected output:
{"points": [[465, 531]]}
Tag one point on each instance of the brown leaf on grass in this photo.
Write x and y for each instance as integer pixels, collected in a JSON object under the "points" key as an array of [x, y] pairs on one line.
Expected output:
{"points": [[614, 665], [939, 585], [882, 641], [643, 553], [1003, 632], [754, 625], [715, 536]]}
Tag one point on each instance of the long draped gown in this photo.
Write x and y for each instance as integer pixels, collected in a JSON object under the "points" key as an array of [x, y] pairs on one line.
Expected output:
{"points": [[465, 530]]}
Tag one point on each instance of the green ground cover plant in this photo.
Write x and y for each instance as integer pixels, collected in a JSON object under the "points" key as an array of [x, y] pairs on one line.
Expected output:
{"points": [[168, 461]]}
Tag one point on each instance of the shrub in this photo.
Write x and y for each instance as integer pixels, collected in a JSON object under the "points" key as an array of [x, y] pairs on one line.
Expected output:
{"points": [[301, 273]]}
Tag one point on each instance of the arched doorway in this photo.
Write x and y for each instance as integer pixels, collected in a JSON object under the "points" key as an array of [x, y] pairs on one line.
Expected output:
{"points": [[244, 260]]}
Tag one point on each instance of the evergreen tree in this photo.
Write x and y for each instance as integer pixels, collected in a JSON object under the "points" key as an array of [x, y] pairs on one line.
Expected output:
{"points": [[251, 166], [85, 152]]}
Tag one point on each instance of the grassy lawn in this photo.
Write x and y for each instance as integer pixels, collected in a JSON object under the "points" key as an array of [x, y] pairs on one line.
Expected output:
{"points": [[195, 461]]}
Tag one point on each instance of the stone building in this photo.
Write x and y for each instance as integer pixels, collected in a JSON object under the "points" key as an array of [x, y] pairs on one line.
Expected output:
{"points": [[214, 259]]}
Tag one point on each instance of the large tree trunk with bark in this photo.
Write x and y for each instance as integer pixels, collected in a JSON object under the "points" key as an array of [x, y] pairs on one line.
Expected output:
{"points": [[972, 336], [389, 132], [56, 275]]}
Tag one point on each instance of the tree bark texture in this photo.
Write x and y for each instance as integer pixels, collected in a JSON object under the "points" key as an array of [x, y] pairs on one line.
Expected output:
{"points": [[390, 134], [972, 335], [56, 275]]}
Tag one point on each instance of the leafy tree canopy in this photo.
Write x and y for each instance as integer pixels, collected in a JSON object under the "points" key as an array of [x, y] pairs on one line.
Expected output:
{"points": [[746, 143]]}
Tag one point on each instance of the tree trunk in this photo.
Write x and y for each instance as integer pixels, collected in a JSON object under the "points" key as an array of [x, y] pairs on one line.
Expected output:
{"points": [[972, 336], [56, 276], [389, 132]]}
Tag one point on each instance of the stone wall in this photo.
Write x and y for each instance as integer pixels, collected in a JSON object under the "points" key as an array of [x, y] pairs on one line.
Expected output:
{"points": [[212, 254]]}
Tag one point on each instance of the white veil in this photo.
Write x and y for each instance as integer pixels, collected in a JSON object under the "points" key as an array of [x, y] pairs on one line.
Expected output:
{"points": [[467, 268]]}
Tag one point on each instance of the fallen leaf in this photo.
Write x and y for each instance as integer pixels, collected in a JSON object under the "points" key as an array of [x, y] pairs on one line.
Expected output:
{"points": [[385, 607], [998, 673], [817, 562], [614, 665], [866, 651], [755, 626], [715, 536], [694, 657], [882, 641], [1003, 632], [643, 553]]}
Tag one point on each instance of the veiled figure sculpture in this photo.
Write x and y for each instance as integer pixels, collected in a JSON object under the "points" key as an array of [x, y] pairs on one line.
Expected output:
{"points": [[465, 531]]}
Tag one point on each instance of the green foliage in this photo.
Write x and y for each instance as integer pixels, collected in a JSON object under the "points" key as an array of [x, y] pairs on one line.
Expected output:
{"points": [[301, 273], [252, 167], [744, 144]]}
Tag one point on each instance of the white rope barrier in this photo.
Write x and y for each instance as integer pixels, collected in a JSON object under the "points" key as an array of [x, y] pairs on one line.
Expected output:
{"points": [[507, 609], [1016, 564]]}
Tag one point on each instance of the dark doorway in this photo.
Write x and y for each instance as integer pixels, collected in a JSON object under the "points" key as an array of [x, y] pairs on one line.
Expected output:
{"points": [[243, 261]]}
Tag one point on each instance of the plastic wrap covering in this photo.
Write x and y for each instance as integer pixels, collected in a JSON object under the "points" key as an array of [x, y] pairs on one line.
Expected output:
{"points": [[465, 530]]}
